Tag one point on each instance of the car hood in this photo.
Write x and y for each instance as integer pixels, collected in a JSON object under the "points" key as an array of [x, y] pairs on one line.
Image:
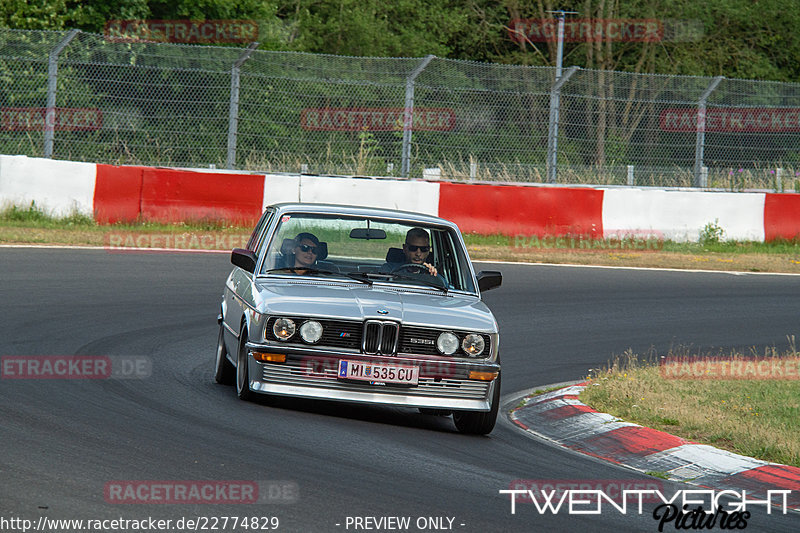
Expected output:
{"points": [[347, 301]]}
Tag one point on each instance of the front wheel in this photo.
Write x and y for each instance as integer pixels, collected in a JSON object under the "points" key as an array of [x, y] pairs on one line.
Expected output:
{"points": [[224, 372], [243, 369], [479, 422]]}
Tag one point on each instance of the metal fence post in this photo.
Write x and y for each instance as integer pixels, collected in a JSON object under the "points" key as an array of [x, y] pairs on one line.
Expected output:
{"points": [[409, 114], [700, 142], [552, 132], [52, 78], [233, 109]]}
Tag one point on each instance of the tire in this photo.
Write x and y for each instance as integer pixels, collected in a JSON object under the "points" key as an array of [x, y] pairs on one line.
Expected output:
{"points": [[479, 422], [243, 370], [224, 372]]}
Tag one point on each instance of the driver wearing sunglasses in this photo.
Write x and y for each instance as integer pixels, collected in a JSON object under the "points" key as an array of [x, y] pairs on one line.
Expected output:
{"points": [[416, 249]]}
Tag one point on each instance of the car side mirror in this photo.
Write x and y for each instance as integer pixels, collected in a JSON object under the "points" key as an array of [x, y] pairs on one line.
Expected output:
{"points": [[244, 259], [489, 279]]}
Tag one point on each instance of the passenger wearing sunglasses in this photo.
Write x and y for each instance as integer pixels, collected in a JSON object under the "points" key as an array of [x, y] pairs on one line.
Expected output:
{"points": [[416, 250], [306, 252]]}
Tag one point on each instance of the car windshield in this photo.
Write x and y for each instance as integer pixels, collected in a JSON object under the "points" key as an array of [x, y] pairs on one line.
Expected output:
{"points": [[369, 250]]}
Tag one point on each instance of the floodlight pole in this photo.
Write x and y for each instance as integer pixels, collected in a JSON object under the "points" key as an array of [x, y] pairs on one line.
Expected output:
{"points": [[233, 108], [700, 139], [408, 116], [52, 82], [555, 99]]}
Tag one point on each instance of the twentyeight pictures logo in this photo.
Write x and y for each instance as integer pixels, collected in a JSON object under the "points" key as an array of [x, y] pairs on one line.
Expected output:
{"points": [[683, 509], [547, 490]]}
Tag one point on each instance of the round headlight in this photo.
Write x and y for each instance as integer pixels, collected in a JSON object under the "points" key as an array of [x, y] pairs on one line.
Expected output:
{"points": [[473, 344], [311, 331], [283, 328], [447, 343]]}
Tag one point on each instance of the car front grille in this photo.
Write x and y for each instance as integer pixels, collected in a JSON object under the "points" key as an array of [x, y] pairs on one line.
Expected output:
{"points": [[335, 333], [309, 374], [375, 337], [422, 341], [380, 337]]}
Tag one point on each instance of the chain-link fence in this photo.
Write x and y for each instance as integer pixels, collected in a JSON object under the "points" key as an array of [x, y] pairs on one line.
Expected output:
{"points": [[79, 96]]}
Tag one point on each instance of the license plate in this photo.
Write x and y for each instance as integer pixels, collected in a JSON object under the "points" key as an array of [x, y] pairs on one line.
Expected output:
{"points": [[378, 372]]}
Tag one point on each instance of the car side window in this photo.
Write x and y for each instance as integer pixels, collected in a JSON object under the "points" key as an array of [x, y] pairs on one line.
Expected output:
{"points": [[450, 261], [254, 243]]}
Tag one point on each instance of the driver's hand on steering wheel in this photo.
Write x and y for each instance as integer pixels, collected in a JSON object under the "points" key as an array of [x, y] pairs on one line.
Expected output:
{"points": [[431, 269]]}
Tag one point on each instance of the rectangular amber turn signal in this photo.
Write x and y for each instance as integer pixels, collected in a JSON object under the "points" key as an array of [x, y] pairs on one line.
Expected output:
{"points": [[482, 376], [269, 357]]}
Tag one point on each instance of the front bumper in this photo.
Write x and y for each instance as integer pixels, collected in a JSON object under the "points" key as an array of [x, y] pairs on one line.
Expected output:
{"points": [[313, 374]]}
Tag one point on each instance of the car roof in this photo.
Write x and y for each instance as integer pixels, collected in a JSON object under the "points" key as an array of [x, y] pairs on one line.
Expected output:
{"points": [[394, 214]]}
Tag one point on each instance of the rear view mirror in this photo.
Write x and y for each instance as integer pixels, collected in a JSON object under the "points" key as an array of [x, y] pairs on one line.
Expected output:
{"points": [[244, 259], [367, 233], [489, 279]]}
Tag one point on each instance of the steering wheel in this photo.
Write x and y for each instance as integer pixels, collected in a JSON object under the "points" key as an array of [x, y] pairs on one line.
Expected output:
{"points": [[412, 268]]}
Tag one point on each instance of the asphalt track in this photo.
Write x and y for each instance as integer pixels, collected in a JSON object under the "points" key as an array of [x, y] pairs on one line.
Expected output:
{"points": [[62, 441]]}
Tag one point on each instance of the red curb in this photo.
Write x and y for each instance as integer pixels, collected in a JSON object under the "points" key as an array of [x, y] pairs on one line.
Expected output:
{"points": [[566, 411], [770, 477], [776, 475], [629, 441]]}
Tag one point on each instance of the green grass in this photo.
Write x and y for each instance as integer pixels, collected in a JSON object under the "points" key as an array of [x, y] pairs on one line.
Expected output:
{"points": [[756, 418], [735, 247], [30, 224], [33, 216], [721, 247]]}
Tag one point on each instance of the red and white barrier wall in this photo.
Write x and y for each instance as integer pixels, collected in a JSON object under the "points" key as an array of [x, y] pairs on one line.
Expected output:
{"points": [[128, 193]]}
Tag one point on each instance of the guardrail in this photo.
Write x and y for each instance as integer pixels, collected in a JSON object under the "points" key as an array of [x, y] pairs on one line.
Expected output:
{"points": [[113, 194]]}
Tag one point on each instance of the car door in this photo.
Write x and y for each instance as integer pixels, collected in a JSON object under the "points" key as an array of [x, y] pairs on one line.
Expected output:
{"points": [[238, 294]]}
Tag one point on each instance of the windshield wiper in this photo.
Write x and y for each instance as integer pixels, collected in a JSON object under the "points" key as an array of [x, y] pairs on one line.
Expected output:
{"points": [[351, 275], [363, 277], [305, 270], [420, 279]]}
